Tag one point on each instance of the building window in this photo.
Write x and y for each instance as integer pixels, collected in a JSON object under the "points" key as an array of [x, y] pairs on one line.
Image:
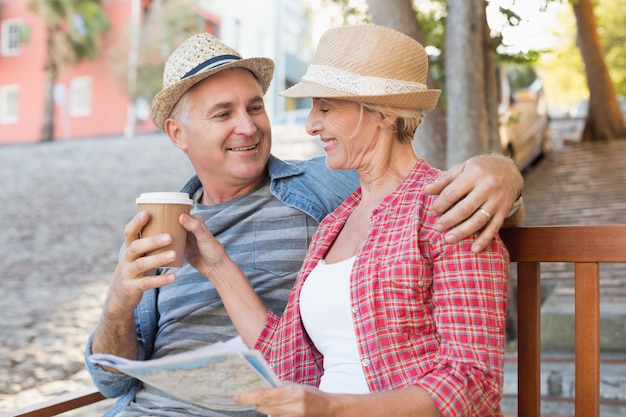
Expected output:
{"points": [[10, 36], [9, 100], [80, 96]]}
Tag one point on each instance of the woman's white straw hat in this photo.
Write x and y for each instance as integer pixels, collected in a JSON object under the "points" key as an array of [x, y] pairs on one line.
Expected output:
{"points": [[371, 64], [199, 57]]}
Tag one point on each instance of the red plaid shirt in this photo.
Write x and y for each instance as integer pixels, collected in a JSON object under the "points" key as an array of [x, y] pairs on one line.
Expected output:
{"points": [[425, 312]]}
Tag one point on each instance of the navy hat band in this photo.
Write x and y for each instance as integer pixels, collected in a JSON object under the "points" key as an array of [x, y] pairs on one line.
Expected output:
{"points": [[209, 64]]}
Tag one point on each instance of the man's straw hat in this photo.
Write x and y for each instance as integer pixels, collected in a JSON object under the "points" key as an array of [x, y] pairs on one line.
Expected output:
{"points": [[199, 57], [368, 63]]}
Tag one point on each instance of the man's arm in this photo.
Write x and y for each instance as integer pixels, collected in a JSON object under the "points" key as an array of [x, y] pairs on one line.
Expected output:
{"points": [[477, 194]]}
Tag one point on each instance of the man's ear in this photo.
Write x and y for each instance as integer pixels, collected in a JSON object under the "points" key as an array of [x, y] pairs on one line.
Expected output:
{"points": [[174, 130]]}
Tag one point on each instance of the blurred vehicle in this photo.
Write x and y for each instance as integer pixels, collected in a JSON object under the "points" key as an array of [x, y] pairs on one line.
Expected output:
{"points": [[581, 107], [523, 112], [289, 137]]}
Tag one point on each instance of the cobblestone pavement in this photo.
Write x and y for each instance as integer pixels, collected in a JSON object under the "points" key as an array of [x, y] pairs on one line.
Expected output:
{"points": [[64, 206], [63, 211]]}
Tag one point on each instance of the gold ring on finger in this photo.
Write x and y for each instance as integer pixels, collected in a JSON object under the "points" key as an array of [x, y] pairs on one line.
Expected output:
{"points": [[486, 213]]}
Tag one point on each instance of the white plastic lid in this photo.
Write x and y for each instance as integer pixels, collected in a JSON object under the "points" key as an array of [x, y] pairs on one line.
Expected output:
{"points": [[164, 198]]}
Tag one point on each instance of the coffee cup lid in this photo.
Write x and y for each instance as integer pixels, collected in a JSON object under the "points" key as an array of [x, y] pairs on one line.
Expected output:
{"points": [[164, 198]]}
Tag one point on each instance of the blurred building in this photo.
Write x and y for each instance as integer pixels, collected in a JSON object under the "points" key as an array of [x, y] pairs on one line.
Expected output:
{"points": [[91, 98], [279, 29]]}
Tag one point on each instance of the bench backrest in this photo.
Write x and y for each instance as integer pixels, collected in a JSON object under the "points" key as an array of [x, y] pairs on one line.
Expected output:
{"points": [[586, 247]]}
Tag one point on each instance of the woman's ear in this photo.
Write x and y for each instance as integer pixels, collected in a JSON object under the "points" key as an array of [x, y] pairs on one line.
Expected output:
{"points": [[174, 130], [389, 121]]}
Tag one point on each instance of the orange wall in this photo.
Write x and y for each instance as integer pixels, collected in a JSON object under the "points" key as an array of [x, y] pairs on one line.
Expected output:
{"points": [[26, 70], [109, 101]]}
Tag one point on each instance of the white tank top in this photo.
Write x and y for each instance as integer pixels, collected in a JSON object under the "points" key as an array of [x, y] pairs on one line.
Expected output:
{"points": [[327, 317]]}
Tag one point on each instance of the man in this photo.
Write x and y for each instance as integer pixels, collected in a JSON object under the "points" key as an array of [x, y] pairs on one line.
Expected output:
{"points": [[263, 210]]}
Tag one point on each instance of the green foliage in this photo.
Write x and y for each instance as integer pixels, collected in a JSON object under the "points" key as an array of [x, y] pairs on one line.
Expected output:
{"points": [[25, 33], [612, 30], [75, 27], [521, 76], [88, 23], [432, 17], [163, 30], [530, 57], [512, 18], [350, 12], [432, 21], [561, 67]]}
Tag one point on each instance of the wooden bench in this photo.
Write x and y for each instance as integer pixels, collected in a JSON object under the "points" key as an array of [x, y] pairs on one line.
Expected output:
{"points": [[585, 246], [60, 404]]}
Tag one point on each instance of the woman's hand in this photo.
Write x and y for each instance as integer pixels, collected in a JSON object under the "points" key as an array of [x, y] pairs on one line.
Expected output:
{"points": [[295, 400], [204, 252], [289, 400]]}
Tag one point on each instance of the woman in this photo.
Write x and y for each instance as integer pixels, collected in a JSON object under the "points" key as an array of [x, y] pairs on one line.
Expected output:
{"points": [[385, 318]]}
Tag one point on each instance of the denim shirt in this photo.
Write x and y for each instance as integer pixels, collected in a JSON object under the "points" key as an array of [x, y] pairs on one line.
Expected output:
{"points": [[309, 186]]}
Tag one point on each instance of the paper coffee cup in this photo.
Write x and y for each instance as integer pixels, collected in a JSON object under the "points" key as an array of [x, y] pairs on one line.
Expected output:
{"points": [[164, 209]]}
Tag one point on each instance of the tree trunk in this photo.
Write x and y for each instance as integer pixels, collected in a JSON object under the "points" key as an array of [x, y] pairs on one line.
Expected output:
{"points": [[466, 85], [431, 137], [51, 73], [604, 119], [491, 83]]}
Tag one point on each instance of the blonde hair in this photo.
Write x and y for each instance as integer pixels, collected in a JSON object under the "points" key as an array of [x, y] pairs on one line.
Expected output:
{"points": [[407, 120]]}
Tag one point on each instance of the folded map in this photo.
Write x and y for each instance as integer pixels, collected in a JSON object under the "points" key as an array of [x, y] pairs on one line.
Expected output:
{"points": [[207, 376]]}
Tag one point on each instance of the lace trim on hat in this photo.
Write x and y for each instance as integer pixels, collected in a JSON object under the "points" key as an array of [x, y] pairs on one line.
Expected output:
{"points": [[361, 85]]}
